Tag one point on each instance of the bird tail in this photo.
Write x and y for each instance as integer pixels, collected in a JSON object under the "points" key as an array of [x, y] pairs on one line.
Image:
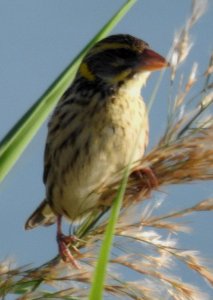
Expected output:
{"points": [[43, 215]]}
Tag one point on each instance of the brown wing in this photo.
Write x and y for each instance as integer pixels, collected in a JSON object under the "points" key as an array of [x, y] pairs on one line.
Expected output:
{"points": [[46, 163], [53, 130]]}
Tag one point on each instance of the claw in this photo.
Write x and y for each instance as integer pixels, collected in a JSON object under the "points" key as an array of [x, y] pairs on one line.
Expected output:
{"points": [[63, 245], [151, 179]]}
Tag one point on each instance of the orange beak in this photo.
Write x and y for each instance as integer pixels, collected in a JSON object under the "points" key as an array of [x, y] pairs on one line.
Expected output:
{"points": [[152, 61]]}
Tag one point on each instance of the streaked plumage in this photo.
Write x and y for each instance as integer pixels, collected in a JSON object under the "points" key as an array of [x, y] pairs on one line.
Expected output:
{"points": [[95, 126]]}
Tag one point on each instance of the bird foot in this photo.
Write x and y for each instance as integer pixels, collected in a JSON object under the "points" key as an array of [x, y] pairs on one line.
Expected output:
{"points": [[64, 242], [150, 177]]}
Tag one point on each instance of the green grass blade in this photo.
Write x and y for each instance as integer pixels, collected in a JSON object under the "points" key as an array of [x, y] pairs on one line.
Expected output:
{"points": [[97, 288], [14, 143]]}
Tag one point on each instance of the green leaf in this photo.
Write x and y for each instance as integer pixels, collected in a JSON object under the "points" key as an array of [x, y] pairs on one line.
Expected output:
{"points": [[97, 288], [14, 143]]}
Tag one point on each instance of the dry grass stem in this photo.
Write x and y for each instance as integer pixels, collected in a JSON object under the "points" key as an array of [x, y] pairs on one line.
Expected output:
{"points": [[146, 242], [182, 41]]}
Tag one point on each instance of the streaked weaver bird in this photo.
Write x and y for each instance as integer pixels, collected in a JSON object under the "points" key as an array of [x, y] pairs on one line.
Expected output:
{"points": [[93, 129]]}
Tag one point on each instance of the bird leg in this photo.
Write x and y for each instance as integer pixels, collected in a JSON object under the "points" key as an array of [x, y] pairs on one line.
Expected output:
{"points": [[151, 179], [64, 242]]}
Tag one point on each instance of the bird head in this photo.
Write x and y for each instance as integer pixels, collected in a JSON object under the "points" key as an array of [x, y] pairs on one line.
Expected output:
{"points": [[118, 58]]}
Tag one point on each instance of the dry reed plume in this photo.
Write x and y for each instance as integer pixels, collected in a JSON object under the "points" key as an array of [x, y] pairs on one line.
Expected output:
{"points": [[144, 242]]}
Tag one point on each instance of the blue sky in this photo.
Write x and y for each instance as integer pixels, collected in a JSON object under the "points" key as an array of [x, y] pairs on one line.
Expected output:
{"points": [[38, 40]]}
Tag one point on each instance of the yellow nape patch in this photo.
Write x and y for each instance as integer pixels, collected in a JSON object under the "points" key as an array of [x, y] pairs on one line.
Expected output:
{"points": [[85, 72]]}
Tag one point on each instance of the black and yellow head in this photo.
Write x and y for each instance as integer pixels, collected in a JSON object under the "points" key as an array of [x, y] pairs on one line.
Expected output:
{"points": [[119, 57]]}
